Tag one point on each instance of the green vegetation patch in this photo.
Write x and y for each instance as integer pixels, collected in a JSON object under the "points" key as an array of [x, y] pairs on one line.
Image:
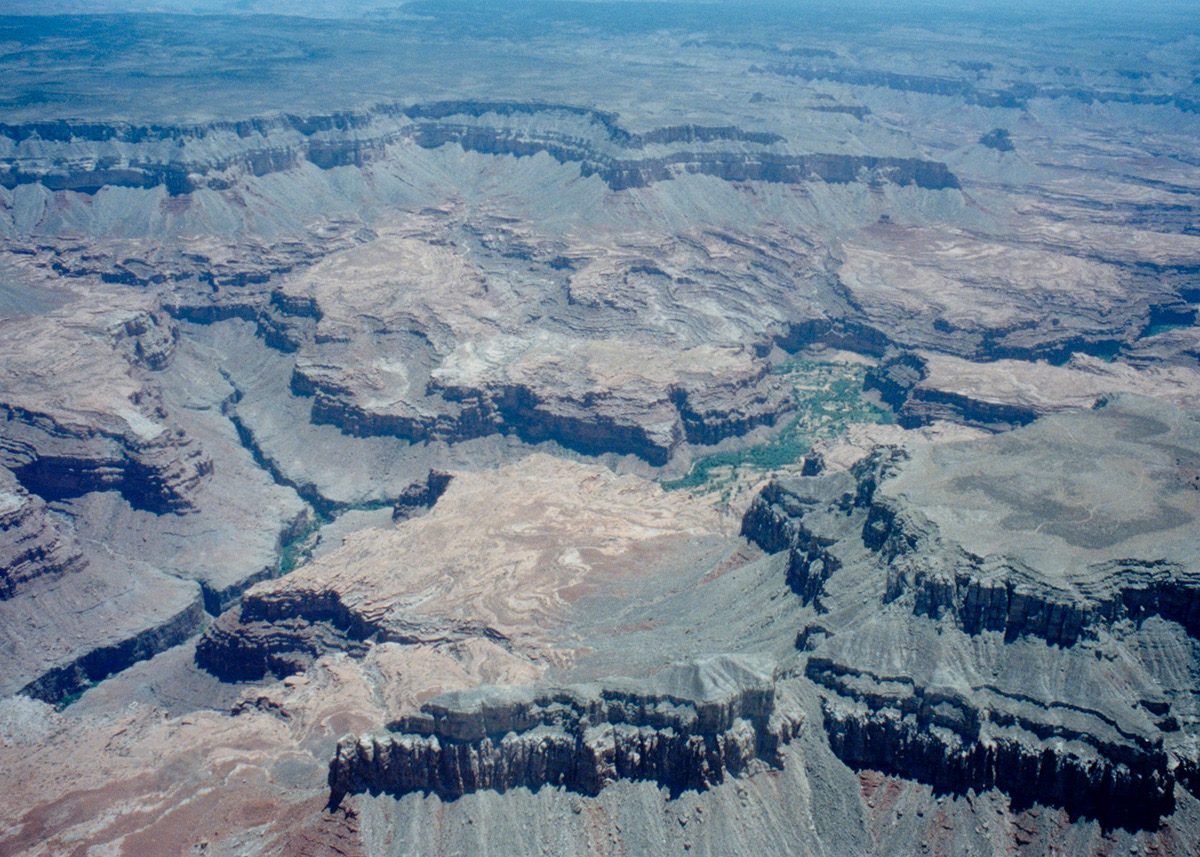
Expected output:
{"points": [[72, 697], [829, 398], [298, 549]]}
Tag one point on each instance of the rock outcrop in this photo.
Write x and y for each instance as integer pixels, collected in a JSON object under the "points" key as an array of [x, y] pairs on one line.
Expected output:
{"points": [[1063, 755], [1015, 583], [1014, 96], [413, 363], [154, 467], [104, 659], [421, 495], [67, 621], [70, 619], [104, 427], [30, 546], [925, 387], [506, 579], [184, 159], [690, 727]]}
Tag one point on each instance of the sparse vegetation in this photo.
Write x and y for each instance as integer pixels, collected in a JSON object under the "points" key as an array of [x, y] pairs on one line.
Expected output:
{"points": [[72, 697], [297, 550], [828, 397]]}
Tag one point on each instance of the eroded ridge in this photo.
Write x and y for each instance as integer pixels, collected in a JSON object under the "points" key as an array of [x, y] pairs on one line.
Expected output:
{"points": [[689, 727], [1057, 754], [31, 547], [1007, 614], [207, 155]]}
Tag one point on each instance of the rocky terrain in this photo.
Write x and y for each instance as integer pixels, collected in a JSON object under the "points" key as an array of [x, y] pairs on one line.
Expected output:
{"points": [[1070, 567], [504, 585], [598, 428], [70, 621], [697, 724]]}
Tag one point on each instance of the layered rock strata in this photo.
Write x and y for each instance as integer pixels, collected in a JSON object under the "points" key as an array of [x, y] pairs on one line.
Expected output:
{"points": [[154, 467], [1063, 755], [421, 495], [504, 580], [925, 387], [1012, 588], [424, 363], [97, 663], [1016, 95], [690, 727], [104, 427], [30, 546], [61, 156], [67, 621]]}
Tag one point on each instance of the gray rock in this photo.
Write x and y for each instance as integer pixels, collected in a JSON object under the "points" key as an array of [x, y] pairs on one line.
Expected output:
{"points": [[1007, 584], [689, 727]]}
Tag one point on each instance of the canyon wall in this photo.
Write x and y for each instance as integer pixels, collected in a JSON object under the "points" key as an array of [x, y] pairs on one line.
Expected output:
{"points": [[689, 728]]}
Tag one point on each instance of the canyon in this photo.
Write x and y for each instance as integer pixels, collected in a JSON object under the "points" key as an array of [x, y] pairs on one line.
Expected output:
{"points": [[597, 428]]}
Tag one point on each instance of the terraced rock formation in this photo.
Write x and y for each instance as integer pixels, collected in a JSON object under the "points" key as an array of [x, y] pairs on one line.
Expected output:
{"points": [[437, 356], [103, 429], [691, 727], [32, 546], [999, 645], [68, 620], [505, 581], [185, 159]]}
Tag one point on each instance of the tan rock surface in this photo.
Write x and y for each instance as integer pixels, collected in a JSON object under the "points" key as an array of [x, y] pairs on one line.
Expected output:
{"points": [[1042, 388], [494, 570]]}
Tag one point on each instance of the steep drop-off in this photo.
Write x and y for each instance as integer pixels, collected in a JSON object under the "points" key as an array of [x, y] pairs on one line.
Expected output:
{"points": [[690, 727], [1013, 603], [85, 157]]}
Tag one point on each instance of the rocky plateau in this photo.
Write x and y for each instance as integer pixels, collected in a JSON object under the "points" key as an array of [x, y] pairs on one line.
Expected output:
{"points": [[446, 427]]}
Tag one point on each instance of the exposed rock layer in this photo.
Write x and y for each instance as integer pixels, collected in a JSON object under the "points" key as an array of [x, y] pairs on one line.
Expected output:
{"points": [[1062, 758], [504, 579], [30, 545], [1005, 569], [691, 727], [180, 159]]}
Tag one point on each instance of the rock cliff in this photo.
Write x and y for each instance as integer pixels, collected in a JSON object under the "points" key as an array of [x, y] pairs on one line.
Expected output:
{"points": [[506, 580], [69, 620], [106, 427], [31, 546], [999, 646], [1062, 755], [64, 156], [691, 727]]}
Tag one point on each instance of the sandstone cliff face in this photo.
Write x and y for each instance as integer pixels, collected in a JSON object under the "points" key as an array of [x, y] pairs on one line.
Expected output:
{"points": [[153, 466], [976, 578], [421, 495], [145, 337], [689, 728], [1076, 761], [98, 662], [279, 638], [650, 423]]}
